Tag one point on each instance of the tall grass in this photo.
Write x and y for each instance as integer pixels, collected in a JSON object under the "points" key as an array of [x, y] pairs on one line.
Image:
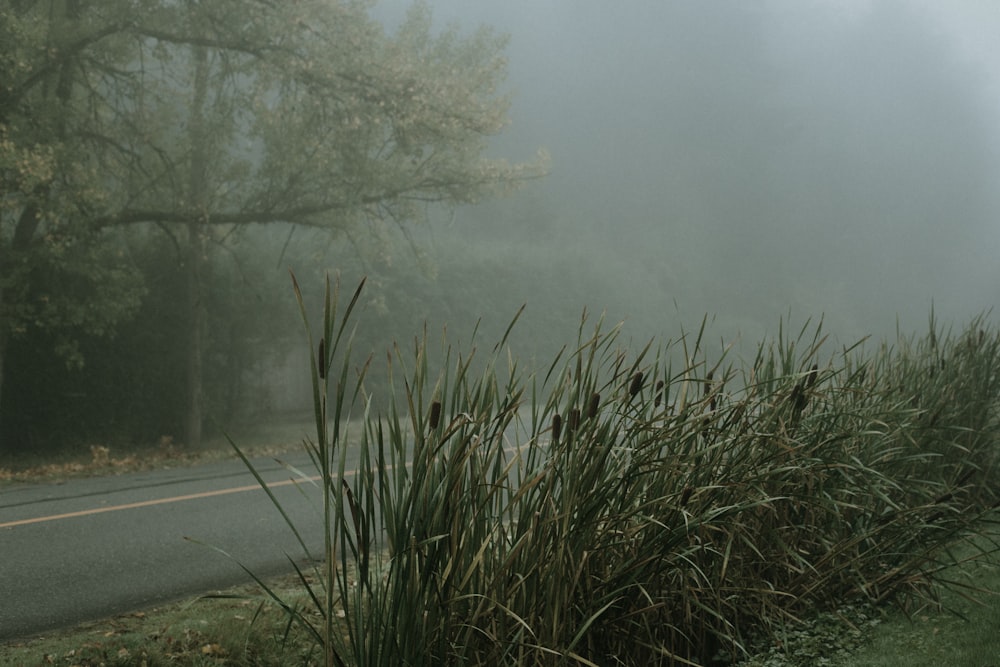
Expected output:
{"points": [[621, 507]]}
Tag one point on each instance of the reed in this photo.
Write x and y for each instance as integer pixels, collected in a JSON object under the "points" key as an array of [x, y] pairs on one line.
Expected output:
{"points": [[617, 509]]}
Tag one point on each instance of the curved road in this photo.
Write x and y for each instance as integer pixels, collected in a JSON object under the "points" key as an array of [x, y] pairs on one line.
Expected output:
{"points": [[91, 548]]}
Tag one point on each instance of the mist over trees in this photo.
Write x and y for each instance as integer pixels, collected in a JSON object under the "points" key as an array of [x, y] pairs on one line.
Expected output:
{"points": [[163, 165], [128, 125]]}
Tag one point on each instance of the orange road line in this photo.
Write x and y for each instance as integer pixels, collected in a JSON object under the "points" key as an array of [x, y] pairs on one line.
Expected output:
{"points": [[148, 503]]}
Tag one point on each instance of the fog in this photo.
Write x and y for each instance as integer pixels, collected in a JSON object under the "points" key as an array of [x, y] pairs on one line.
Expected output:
{"points": [[752, 161], [758, 164]]}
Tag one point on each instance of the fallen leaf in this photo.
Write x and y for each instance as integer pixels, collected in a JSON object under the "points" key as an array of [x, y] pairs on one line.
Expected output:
{"points": [[212, 649]]}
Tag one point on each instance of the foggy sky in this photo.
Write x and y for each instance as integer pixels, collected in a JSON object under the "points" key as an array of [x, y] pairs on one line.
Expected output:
{"points": [[751, 159]]}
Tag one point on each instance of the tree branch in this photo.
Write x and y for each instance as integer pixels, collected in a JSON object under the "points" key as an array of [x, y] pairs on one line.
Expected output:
{"points": [[62, 56]]}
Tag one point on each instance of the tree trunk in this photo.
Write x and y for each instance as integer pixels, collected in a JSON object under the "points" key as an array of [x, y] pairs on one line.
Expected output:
{"points": [[3, 354], [195, 306], [197, 248]]}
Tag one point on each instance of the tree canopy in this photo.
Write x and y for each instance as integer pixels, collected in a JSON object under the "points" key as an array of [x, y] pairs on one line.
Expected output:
{"points": [[196, 118]]}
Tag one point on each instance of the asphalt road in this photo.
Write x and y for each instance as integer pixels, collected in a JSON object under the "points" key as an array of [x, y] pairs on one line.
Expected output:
{"points": [[91, 548]]}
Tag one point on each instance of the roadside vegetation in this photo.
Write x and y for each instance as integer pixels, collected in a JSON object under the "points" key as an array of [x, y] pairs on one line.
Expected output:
{"points": [[639, 506], [621, 506]]}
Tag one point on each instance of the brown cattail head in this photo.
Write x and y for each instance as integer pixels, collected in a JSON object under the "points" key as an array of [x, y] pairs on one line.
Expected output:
{"points": [[595, 403], [686, 495], [574, 420], [435, 414], [659, 394], [322, 359], [556, 427], [811, 378], [798, 399], [636, 386]]}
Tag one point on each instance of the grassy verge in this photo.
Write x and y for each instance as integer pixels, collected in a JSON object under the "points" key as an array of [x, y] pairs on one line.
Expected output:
{"points": [[934, 638], [237, 628], [960, 630], [956, 626]]}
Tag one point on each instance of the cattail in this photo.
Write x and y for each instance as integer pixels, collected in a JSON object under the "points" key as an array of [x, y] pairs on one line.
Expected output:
{"points": [[811, 378], [659, 394], [595, 403], [686, 495], [435, 414], [556, 427], [322, 359], [798, 399], [574, 420], [636, 386]]}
